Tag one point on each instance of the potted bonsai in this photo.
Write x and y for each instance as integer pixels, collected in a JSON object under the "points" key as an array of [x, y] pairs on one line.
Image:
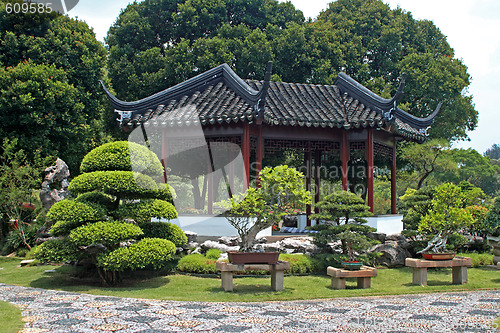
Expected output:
{"points": [[353, 242], [492, 228], [279, 189], [446, 216]]}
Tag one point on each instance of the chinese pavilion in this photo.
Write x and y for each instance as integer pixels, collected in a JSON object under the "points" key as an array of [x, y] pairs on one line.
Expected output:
{"points": [[341, 120]]}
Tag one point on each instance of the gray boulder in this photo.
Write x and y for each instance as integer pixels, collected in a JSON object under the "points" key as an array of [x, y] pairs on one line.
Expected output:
{"points": [[399, 239], [393, 255], [299, 245], [216, 245]]}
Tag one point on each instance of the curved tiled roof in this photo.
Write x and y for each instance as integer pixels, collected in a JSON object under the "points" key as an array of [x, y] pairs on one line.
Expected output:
{"points": [[220, 96]]}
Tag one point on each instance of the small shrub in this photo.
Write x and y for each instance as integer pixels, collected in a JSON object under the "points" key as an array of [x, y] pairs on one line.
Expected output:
{"points": [[478, 259], [150, 253], [70, 214], [213, 254], [110, 234], [123, 156], [166, 231], [198, 264], [143, 211], [14, 241], [301, 263], [335, 260], [56, 250]]}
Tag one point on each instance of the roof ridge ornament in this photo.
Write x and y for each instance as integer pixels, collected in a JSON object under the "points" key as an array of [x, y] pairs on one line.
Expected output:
{"points": [[261, 102]]}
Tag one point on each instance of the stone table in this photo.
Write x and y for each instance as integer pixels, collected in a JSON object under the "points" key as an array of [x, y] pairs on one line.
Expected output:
{"points": [[458, 264], [363, 275], [277, 273]]}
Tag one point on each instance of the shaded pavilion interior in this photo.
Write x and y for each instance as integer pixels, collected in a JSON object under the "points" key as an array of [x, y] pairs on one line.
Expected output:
{"points": [[345, 123]]}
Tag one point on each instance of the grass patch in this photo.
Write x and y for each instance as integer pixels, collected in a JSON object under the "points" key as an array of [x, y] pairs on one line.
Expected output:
{"points": [[478, 259], [246, 289], [496, 323], [11, 318]]}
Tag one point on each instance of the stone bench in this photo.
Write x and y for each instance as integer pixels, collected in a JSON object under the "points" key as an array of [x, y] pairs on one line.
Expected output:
{"points": [[458, 264], [363, 275], [277, 273]]}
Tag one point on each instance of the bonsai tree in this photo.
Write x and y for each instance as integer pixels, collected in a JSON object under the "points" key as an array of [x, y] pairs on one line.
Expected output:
{"points": [[108, 224], [446, 216], [354, 242], [341, 214], [280, 188]]}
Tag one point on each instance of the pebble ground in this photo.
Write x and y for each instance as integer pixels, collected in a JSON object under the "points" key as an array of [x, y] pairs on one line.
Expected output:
{"points": [[58, 311]]}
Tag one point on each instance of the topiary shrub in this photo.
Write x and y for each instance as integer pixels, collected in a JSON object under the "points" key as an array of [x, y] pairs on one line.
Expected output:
{"points": [[143, 211], [97, 198], [122, 156], [166, 231], [151, 253], [57, 250], [197, 264], [122, 184], [69, 214], [109, 234]]}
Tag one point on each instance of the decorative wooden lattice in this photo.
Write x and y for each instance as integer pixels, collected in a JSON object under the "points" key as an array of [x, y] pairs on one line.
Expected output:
{"points": [[382, 150], [273, 145], [179, 145]]}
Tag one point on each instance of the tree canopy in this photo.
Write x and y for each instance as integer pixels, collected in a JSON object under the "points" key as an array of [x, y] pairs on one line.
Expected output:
{"points": [[155, 44], [49, 82]]}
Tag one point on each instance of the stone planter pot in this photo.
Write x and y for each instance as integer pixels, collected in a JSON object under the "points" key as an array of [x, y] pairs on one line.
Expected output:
{"points": [[494, 242], [241, 258]]}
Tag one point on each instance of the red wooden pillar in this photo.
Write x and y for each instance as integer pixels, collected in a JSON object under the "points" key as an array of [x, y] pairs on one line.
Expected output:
{"points": [[317, 178], [308, 163], [245, 151], [344, 157], [394, 209], [370, 165], [260, 153]]}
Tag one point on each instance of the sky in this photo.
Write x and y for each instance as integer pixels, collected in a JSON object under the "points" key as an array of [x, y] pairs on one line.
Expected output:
{"points": [[471, 26]]}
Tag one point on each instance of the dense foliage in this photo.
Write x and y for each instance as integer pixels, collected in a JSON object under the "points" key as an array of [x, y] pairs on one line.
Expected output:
{"points": [[49, 84], [174, 40]]}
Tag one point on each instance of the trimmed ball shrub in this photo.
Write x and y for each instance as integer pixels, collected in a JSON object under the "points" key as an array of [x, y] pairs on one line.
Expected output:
{"points": [[197, 263], [96, 198], [300, 263], [213, 254], [166, 231], [109, 234], [122, 156], [69, 214], [57, 250], [151, 253], [143, 211], [124, 184]]}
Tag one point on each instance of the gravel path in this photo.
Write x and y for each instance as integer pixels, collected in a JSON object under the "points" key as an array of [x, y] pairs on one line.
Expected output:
{"points": [[57, 311]]}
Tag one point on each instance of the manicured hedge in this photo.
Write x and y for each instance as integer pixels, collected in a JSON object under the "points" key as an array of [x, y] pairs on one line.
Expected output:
{"points": [[110, 234], [57, 250], [122, 156], [98, 198], [70, 214], [124, 184], [198, 264], [151, 253], [143, 211], [164, 230], [213, 254], [300, 263]]}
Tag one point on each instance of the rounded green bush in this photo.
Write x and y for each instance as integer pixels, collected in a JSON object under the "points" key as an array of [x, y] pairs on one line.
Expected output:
{"points": [[151, 253], [124, 184], [97, 198], [143, 211], [198, 264], [122, 156], [109, 234], [213, 254], [57, 250], [69, 214], [165, 230], [300, 263]]}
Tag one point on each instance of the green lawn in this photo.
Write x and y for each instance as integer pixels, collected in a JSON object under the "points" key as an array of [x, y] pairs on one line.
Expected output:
{"points": [[246, 289], [11, 318]]}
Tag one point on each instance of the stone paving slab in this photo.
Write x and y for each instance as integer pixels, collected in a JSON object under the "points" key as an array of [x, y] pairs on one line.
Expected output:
{"points": [[57, 311]]}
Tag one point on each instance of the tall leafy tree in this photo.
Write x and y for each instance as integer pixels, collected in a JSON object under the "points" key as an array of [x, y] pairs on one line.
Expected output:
{"points": [[51, 98], [493, 152]]}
